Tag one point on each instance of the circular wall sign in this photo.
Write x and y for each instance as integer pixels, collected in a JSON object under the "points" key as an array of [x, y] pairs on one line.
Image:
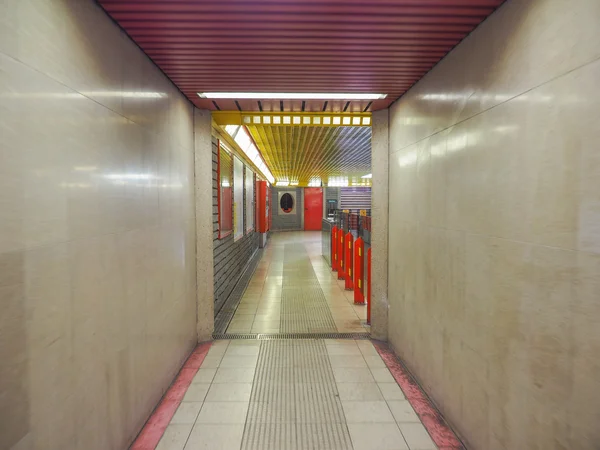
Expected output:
{"points": [[286, 203]]}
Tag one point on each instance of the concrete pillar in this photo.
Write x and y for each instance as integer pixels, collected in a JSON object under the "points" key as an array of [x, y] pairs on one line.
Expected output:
{"points": [[379, 238], [204, 224]]}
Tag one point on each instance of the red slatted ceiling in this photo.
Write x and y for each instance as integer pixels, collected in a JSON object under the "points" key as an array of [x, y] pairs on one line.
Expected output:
{"points": [[380, 46]]}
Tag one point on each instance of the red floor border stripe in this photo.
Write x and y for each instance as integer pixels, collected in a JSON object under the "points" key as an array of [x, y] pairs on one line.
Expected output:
{"points": [[159, 420], [433, 421]]}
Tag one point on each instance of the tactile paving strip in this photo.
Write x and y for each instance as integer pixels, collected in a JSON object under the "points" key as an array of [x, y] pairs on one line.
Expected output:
{"points": [[304, 308], [294, 403]]}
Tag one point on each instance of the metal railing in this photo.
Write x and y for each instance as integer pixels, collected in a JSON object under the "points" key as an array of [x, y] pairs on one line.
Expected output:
{"points": [[356, 222], [343, 250]]}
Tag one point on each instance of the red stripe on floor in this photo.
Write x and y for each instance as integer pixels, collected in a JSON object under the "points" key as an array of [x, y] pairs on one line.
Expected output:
{"points": [[162, 415], [433, 421]]}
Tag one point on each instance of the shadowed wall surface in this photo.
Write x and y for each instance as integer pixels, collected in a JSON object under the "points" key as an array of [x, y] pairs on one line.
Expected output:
{"points": [[494, 251], [97, 230]]}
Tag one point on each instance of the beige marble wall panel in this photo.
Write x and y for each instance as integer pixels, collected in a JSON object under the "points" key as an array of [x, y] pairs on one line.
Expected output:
{"points": [[204, 225], [543, 38], [379, 282], [494, 264], [97, 229]]}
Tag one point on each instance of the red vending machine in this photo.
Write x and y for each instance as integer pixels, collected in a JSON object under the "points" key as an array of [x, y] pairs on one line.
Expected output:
{"points": [[263, 212]]}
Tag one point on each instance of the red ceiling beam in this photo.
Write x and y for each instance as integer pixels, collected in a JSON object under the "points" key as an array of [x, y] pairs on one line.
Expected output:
{"points": [[301, 76], [197, 19], [295, 9], [352, 60], [445, 3], [238, 27], [302, 46], [293, 41], [233, 53], [319, 36]]}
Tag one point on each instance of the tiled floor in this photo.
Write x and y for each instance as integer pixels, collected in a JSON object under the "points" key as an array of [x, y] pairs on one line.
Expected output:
{"points": [[294, 395], [291, 265]]}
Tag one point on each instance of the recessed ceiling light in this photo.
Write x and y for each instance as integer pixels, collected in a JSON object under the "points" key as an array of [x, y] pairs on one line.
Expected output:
{"points": [[292, 96]]}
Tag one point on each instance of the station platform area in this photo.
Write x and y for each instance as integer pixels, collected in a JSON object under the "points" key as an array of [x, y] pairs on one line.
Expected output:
{"points": [[293, 290]]}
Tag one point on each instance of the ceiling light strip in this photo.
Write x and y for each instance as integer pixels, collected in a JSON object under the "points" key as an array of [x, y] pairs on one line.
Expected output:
{"points": [[291, 96]]}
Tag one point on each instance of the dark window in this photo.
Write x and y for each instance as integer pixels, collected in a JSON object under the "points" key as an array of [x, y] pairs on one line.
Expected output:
{"points": [[287, 203]]}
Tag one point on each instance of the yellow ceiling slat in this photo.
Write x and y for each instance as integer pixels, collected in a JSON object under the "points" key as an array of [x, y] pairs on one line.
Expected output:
{"points": [[303, 153]]}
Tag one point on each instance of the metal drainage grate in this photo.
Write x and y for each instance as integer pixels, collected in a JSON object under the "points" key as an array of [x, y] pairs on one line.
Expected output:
{"points": [[275, 336], [228, 310]]}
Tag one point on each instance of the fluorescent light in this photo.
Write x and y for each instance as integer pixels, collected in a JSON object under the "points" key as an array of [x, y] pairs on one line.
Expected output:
{"points": [[292, 95], [282, 183], [243, 140], [367, 176], [294, 183]]}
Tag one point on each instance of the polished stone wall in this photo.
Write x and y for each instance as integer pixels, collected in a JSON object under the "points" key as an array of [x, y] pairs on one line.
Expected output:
{"points": [[494, 243], [97, 229], [380, 221]]}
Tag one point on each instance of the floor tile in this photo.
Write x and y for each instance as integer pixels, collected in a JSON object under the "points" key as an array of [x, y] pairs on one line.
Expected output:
{"points": [[347, 361], [341, 343], [241, 350], [223, 412], [187, 413], [239, 329], [215, 437], [175, 437], [367, 412], [239, 361], [229, 392], [247, 309], [376, 436], [416, 436], [211, 362], [216, 352], [204, 375], [238, 375], [244, 343], [391, 391], [375, 362], [383, 375], [350, 375], [343, 351], [264, 330], [403, 412], [266, 317], [241, 321], [367, 349], [196, 392], [220, 343], [359, 391]]}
